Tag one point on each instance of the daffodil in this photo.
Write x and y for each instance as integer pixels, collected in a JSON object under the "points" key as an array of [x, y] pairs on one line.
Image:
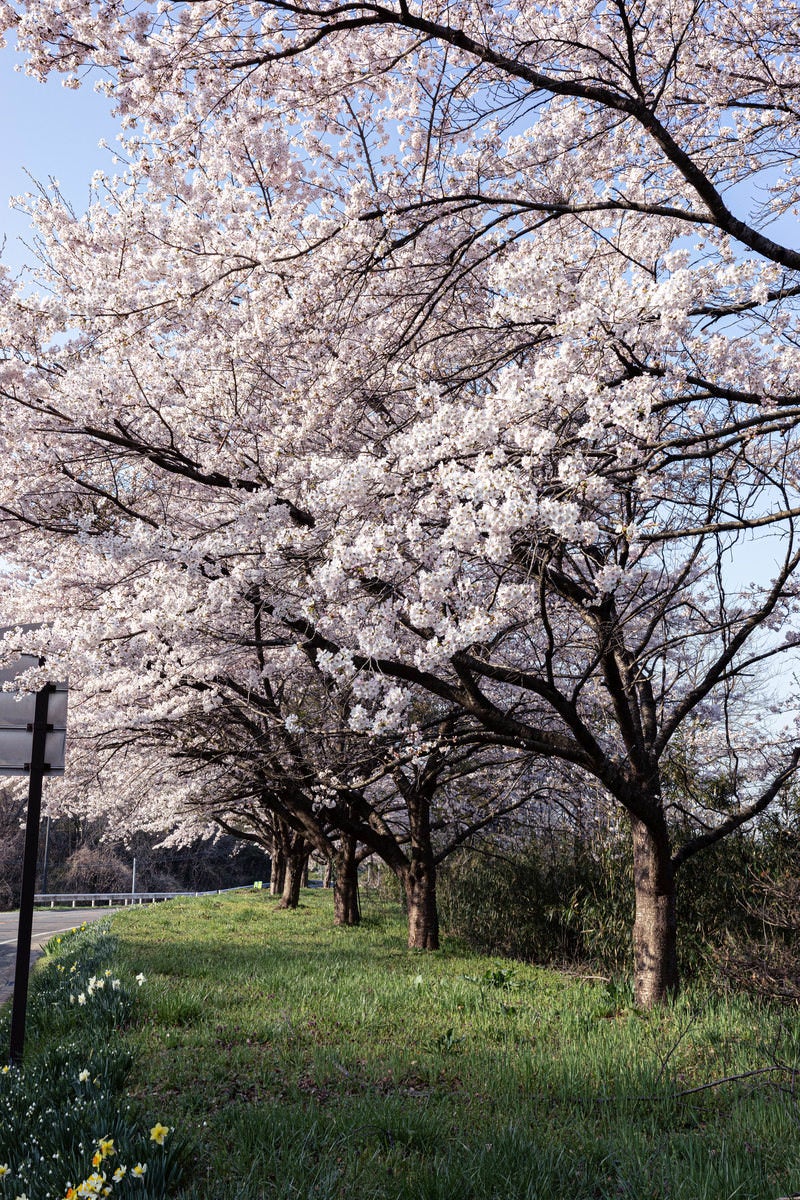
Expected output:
{"points": [[82, 998], [119, 1174], [4, 1169], [92, 1186], [141, 978], [4, 1070], [83, 1076], [158, 1133], [139, 1170], [106, 1146]]}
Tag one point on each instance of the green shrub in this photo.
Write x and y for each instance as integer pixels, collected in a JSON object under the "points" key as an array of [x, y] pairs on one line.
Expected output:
{"points": [[553, 904], [563, 900]]}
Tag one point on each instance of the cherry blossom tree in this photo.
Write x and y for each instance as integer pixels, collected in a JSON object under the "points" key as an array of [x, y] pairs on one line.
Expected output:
{"points": [[460, 340], [278, 764]]}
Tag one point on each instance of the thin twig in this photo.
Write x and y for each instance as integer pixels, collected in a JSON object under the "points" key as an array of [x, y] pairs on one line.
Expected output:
{"points": [[728, 1079]]}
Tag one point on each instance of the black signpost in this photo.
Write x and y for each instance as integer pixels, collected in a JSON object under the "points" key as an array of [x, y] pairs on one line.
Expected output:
{"points": [[25, 928], [32, 742]]}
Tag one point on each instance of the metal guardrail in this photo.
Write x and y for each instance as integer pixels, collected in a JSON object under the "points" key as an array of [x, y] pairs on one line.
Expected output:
{"points": [[122, 899]]}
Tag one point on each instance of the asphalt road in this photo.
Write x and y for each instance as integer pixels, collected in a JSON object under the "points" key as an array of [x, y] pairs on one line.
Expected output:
{"points": [[46, 923]]}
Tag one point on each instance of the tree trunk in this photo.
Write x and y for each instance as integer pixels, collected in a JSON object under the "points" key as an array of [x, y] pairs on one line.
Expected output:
{"points": [[293, 881], [346, 908], [423, 919], [277, 875], [419, 880], [654, 928], [327, 878]]}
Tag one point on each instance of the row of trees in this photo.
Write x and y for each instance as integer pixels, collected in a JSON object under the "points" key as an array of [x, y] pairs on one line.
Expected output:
{"points": [[81, 855], [394, 427]]}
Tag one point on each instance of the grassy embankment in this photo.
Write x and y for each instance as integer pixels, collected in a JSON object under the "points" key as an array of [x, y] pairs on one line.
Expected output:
{"points": [[309, 1062]]}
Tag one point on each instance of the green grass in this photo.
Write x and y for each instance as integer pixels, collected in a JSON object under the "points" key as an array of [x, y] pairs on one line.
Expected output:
{"points": [[311, 1063]]}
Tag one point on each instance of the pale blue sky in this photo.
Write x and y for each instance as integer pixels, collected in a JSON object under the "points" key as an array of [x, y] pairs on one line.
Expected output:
{"points": [[52, 132]]}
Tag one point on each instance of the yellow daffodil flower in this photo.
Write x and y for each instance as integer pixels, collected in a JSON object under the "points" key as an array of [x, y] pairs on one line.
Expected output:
{"points": [[4, 1169], [106, 1146], [139, 1170], [83, 1076], [158, 1133], [119, 1174]]}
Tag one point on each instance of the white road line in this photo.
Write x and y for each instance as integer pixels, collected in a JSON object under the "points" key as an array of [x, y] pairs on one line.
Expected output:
{"points": [[36, 934], [39, 933], [48, 933]]}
